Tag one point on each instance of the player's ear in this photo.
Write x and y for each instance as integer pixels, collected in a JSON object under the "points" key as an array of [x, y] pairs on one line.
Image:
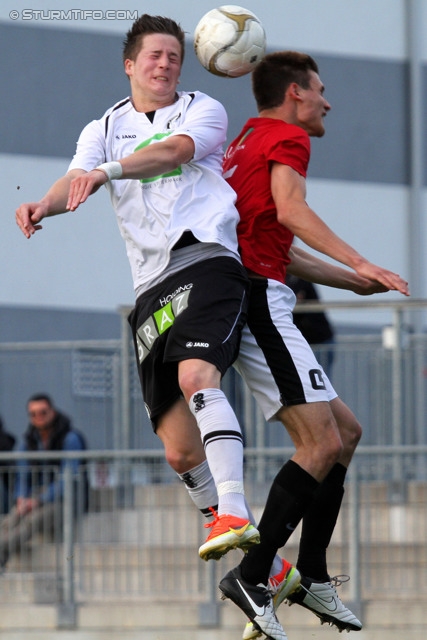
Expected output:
{"points": [[294, 91], [128, 65]]}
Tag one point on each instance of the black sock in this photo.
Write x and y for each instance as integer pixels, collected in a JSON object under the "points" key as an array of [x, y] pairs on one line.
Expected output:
{"points": [[290, 494], [319, 523]]}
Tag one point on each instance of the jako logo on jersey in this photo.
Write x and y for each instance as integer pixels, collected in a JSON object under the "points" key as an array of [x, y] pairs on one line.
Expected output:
{"points": [[125, 136], [189, 345]]}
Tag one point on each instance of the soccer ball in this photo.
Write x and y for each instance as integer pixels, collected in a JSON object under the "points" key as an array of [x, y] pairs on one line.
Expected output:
{"points": [[229, 41]]}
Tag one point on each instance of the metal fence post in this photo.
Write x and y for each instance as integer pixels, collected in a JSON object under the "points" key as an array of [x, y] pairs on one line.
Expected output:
{"points": [[209, 611], [125, 379], [67, 617], [397, 399], [355, 585]]}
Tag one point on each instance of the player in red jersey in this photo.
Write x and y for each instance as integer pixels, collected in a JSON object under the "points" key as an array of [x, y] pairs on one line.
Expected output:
{"points": [[267, 165]]}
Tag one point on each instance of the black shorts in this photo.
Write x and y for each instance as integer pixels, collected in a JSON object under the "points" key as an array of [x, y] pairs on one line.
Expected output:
{"points": [[198, 313]]}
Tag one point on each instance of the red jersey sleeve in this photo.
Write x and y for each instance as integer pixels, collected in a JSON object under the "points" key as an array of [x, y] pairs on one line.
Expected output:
{"points": [[292, 149]]}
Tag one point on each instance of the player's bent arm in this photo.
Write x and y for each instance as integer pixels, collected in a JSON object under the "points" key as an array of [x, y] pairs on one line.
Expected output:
{"points": [[309, 267], [159, 157], [30, 214], [148, 162]]}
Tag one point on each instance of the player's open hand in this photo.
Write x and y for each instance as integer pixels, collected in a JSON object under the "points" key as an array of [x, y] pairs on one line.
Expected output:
{"points": [[368, 287], [28, 216], [391, 281], [83, 186]]}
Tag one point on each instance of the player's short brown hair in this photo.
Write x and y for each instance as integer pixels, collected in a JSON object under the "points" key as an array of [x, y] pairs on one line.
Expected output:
{"points": [[275, 72], [146, 25]]}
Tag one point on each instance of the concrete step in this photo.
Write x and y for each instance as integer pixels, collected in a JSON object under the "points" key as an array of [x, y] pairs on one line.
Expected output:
{"points": [[393, 620]]}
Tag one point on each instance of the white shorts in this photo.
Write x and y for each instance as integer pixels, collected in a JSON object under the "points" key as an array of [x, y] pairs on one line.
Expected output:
{"points": [[276, 362]]}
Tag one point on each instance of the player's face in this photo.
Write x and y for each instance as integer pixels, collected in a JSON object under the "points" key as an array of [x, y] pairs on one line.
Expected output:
{"points": [[154, 74], [313, 107]]}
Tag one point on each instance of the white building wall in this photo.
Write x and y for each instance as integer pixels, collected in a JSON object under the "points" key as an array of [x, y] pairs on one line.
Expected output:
{"points": [[80, 258]]}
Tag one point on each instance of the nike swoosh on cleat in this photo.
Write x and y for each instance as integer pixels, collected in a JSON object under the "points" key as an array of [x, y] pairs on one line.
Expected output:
{"points": [[241, 531], [258, 610], [324, 602]]}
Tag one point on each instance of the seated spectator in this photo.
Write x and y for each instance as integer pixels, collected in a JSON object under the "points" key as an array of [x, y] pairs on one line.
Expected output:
{"points": [[39, 483], [315, 327], [7, 442]]}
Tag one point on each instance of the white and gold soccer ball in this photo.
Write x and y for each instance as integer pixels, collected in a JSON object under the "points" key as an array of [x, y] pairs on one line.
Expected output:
{"points": [[229, 41]]}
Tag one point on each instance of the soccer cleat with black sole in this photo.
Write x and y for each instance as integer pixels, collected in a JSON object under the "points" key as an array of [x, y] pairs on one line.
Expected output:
{"points": [[255, 601], [281, 585], [322, 599]]}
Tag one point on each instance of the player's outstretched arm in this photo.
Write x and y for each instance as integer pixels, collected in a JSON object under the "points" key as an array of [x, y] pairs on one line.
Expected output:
{"points": [[30, 214], [309, 267], [288, 190]]}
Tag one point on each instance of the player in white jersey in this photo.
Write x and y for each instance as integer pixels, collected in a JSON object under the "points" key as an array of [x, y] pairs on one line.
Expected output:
{"points": [[159, 152]]}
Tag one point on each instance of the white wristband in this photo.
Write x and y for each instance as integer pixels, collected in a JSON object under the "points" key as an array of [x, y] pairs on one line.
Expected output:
{"points": [[113, 170]]}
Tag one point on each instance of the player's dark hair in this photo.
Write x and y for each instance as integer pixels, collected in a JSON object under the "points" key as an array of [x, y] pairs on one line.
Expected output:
{"points": [[146, 25], [275, 72]]}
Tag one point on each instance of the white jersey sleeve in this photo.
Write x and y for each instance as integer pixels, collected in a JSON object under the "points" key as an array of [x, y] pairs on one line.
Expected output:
{"points": [[90, 151], [206, 123]]}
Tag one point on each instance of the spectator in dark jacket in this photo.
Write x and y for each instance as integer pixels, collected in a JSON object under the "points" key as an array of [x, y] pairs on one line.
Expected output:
{"points": [[39, 483], [7, 442]]}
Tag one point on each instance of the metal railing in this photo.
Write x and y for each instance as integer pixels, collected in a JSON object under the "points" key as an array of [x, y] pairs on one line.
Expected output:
{"points": [[138, 538], [380, 374]]}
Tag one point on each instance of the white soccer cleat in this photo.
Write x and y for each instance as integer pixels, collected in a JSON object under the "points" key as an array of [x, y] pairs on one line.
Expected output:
{"points": [[322, 599]]}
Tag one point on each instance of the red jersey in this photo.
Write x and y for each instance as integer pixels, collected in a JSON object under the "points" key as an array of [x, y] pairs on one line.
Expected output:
{"points": [[264, 242]]}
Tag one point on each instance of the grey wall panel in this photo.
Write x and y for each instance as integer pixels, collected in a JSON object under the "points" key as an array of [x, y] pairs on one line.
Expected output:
{"points": [[56, 81], [367, 128]]}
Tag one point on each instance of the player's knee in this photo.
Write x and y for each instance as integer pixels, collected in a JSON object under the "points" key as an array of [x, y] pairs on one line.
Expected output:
{"points": [[332, 445], [332, 451], [193, 378], [180, 460], [352, 435]]}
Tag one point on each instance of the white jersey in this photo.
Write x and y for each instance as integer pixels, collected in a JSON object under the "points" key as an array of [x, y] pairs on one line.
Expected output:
{"points": [[153, 213]]}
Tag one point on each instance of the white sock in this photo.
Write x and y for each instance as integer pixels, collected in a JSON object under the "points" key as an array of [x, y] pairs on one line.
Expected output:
{"points": [[223, 443], [201, 488]]}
